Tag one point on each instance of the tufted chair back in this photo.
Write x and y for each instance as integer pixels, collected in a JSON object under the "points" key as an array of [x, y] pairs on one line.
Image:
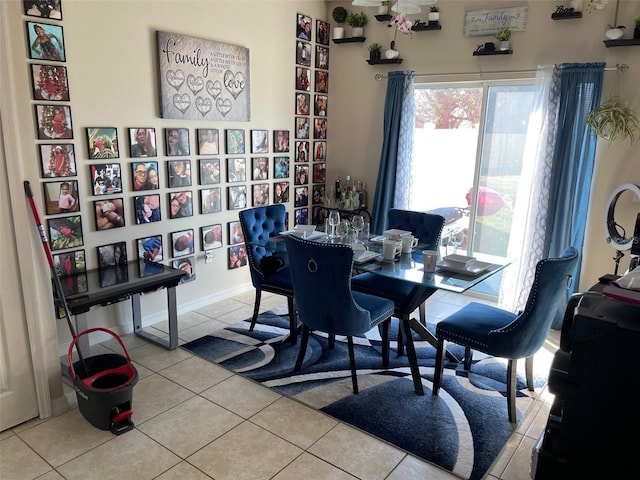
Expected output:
{"points": [[426, 226]]}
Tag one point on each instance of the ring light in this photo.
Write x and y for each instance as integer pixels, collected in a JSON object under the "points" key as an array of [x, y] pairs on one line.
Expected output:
{"points": [[612, 236]]}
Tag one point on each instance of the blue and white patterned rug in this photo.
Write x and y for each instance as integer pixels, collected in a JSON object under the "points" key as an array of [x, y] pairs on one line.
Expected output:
{"points": [[461, 430]]}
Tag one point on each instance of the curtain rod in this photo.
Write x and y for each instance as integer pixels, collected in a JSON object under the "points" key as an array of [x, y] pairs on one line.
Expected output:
{"points": [[620, 67]]}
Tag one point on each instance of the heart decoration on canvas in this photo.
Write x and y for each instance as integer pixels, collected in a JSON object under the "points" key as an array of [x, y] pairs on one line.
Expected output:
{"points": [[203, 105], [194, 83], [223, 106], [181, 102], [214, 88], [175, 79], [234, 83]]}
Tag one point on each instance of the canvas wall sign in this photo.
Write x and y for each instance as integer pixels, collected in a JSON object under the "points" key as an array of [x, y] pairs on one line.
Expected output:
{"points": [[492, 20], [203, 80]]}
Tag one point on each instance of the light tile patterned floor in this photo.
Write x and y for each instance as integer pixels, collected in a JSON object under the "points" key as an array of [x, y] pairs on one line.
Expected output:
{"points": [[195, 420]]}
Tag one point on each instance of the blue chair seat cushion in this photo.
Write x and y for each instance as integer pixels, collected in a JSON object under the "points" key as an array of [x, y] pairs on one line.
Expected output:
{"points": [[380, 308], [272, 263], [473, 324], [406, 296]]}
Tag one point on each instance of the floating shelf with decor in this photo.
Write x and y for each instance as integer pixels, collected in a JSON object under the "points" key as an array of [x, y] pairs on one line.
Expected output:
{"points": [[383, 18], [422, 26], [479, 53], [564, 13], [622, 43], [349, 40], [384, 60]]}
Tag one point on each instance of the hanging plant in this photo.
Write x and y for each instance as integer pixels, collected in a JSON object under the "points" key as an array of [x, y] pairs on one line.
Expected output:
{"points": [[613, 120]]}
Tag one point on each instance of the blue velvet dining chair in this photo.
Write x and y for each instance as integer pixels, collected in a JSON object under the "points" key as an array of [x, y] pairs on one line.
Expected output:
{"points": [[269, 272], [504, 334], [407, 296], [321, 274]]}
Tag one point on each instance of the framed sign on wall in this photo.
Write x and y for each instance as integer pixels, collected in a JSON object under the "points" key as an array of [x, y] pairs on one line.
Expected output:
{"points": [[490, 21]]}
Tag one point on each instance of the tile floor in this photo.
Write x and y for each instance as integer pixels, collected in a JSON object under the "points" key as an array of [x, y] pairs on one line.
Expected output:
{"points": [[195, 420]]}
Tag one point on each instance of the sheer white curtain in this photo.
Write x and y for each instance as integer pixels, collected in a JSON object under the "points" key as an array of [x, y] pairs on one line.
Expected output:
{"points": [[404, 168]]}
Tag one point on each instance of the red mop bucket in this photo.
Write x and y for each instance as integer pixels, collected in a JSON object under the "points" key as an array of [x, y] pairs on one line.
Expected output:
{"points": [[105, 389]]}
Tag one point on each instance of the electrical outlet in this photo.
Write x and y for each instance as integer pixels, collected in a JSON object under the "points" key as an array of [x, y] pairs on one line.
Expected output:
{"points": [[209, 255]]}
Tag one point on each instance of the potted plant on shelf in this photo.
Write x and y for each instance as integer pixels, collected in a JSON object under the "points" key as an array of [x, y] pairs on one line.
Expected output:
{"points": [[402, 23], [383, 9], [612, 120], [434, 15], [357, 21], [374, 51], [636, 30], [339, 14], [503, 37], [615, 31]]}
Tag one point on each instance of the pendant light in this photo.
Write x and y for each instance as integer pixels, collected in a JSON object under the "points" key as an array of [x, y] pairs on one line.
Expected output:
{"points": [[406, 7], [367, 3]]}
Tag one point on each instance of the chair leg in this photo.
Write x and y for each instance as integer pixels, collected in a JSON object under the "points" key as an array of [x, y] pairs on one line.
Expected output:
{"points": [[303, 348], [468, 358], [385, 343], [528, 368], [437, 372], [511, 390], [400, 348], [256, 310], [352, 362], [293, 327]]}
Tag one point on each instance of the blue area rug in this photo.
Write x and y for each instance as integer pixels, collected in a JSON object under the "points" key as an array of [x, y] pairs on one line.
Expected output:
{"points": [[461, 430]]}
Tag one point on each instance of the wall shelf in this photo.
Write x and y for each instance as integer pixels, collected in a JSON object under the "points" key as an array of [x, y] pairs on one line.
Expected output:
{"points": [[383, 18], [492, 52], [384, 61], [349, 40], [421, 27], [622, 43], [565, 15]]}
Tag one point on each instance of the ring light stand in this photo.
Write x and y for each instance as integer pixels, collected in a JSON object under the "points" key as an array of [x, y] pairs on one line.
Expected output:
{"points": [[612, 236]]}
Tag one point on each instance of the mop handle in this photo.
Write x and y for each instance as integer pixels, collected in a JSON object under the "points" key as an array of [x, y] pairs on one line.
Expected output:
{"points": [[41, 230]]}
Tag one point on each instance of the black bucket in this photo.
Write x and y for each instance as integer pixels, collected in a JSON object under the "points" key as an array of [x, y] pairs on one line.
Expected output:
{"points": [[104, 391]]}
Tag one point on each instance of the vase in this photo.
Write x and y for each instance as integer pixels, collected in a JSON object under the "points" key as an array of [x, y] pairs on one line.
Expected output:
{"points": [[338, 32], [357, 32], [576, 5], [383, 9], [374, 55], [434, 16], [636, 32], [614, 34], [391, 53], [504, 45]]}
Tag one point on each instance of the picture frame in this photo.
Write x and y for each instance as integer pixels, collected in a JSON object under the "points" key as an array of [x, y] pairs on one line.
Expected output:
{"points": [[319, 151], [301, 196], [182, 243], [106, 178], [303, 27], [302, 216], [302, 151], [260, 168], [303, 79], [234, 140], [302, 127], [259, 141], [46, 42], [54, 122], [237, 197], [61, 197], [65, 232], [236, 257], [102, 142], [71, 268], [319, 172], [210, 200], [281, 141], [176, 142], [150, 248], [302, 175], [180, 204], [322, 32], [57, 160], [187, 264], [148, 208], [142, 142], [302, 103], [49, 82], [281, 167], [260, 195], [236, 169], [320, 128], [322, 57], [179, 173], [208, 141], [235, 236], [319, 215], [211, 236], [321, 83], [318, 195], [49, 9], [109, 214], [145, 176], [320, 104], [209, 171], [303, 53], [112, 255], [281, 192]]}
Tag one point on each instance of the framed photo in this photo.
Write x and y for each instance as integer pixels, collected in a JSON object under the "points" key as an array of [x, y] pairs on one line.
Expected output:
{"points": [[322, 32], [322, 57], [145, 176], [319, 151], [303, 27], [208, 141], [281, 167], [281, 141], [54, 122], [142, 142], [210, 171], [320, 105], [321, 82], [302, 175], [150, 249], [320, 128], [303, 79], [235, 140], [302, 127], [106, 178], [49, 82], [65, 232], [147, 208], [259, 141], [236, 236], [61, 197], [46, 42], [109, 213], [260, 168], [211, 236], [103, 142], [319, 214], [58, 160], [182, 242], [302, 197], [236, 170], [71, 267], [237, 257], [302, 152], [177, 141], [188, 264], [319, 172], [302, 103], [302, 216], [112, 255], [51, 9], [281, 192], [210, 201], [237, 197], [181, 205], [260, 194], [318, 196], [179, 173], [303, 53]]}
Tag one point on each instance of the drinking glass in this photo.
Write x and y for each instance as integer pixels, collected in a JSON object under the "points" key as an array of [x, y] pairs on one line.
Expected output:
{"points": [[358, 223], [334, 220]]}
